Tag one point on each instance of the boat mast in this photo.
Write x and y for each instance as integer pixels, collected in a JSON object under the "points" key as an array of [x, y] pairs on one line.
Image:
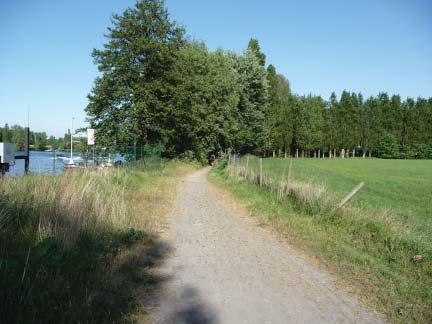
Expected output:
{"points": [[71, 155]]}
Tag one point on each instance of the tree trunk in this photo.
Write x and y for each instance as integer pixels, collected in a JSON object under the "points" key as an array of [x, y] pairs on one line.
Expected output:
{"points": [[342, 153], [353, 153], [364, 154], [319, 153], [285, 155], [297, 155], [370, 153], [302, 155]]}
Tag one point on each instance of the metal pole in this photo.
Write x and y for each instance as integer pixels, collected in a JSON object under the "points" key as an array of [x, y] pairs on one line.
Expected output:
{"points": [[71, 151], [26, 149], [54, 161]]}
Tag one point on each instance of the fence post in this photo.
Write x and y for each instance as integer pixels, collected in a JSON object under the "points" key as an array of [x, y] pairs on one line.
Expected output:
{"points": [[261, 172], [351, 194], [289, 175], [135, 150], [247, 167]]}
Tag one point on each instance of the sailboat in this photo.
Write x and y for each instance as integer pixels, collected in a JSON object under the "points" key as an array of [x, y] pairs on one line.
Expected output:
{"points": [[71, 162]]}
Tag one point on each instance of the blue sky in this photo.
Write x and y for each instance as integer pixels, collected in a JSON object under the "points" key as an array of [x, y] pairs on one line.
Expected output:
{"points": [[320, 46]]}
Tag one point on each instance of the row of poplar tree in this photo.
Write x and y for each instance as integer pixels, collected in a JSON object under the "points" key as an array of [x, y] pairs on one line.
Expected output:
{"points": [[158, 86]]}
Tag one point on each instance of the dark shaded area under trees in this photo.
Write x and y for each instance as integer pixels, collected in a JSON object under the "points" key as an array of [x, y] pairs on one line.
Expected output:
{"points": [[156, 85]]}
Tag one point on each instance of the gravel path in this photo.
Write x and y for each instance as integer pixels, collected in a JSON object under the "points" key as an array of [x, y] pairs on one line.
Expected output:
{"points": [[224, 269]]}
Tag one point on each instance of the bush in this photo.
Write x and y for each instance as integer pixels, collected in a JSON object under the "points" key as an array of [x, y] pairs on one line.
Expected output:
{"points": [[387, 147]]}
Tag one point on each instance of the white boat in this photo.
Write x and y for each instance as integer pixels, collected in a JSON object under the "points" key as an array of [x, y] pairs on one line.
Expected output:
{"points": [[71, 162]]}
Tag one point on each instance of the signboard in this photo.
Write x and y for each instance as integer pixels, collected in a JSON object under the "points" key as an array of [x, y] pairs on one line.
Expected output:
{"points": [[90, 136]]}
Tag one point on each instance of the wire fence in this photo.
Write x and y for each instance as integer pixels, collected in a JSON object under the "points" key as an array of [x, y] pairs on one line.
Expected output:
{"points": [[147, 156]]}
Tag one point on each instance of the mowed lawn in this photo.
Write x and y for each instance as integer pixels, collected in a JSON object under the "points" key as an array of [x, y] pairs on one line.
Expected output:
{"points": [[403, 188]]}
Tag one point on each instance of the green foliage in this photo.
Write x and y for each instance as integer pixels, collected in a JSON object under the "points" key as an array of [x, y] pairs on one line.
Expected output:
{"points": [[387, 147], [255, 48], [39, 141], [157, 87], [252, 104], [133, 98]]}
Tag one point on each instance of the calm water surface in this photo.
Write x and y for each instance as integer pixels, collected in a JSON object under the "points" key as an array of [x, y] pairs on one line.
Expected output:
{"points": [[40, 162]]}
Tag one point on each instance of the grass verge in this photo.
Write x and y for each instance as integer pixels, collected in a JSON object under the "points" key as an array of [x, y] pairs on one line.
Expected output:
{"points": [[371, 253], [79, 247]]}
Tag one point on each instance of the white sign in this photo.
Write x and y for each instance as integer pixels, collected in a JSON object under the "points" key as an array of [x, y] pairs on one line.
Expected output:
{"points": [[90, 136]]}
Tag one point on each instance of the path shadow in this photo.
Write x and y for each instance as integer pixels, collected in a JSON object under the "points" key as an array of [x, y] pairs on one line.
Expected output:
{"points": [[190, 308], [131, 289]]}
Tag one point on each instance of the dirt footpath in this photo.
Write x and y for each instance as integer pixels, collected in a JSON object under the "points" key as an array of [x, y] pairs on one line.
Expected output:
{"points": [[224, 269]]}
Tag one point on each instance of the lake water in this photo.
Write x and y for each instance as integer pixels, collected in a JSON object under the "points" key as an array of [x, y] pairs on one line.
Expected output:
{"points": [[40, 162], [44, 162]]}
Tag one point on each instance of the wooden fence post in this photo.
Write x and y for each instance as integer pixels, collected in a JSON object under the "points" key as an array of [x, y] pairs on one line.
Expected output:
{"points": [[350, 195], [261, 172], [247, 166], [289, 175]]}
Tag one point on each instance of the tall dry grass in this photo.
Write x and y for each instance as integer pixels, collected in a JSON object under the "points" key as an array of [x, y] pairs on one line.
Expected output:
{"points": [[311, 197], [61, 237], [67, 206]]}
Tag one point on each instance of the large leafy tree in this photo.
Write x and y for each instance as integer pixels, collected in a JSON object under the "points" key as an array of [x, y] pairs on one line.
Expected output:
{"points": [[132, 99], [279, 117], [205, 118], [253, 103]]}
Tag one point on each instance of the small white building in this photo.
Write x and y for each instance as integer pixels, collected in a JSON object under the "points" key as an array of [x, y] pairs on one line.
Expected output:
{"points": [[7, 153]]}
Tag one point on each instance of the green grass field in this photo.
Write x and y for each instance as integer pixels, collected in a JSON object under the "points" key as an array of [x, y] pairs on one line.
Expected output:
{"points": [[370, 243], [402, 188]]}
